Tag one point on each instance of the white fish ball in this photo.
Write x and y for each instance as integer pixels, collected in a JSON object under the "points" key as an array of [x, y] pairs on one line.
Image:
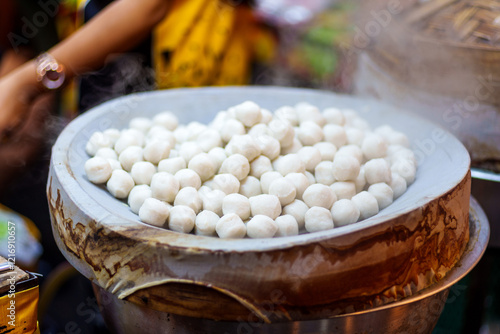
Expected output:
{"points": [[205, 223], [344, 189], [300, 182], [345, 168], [282, 131], [377, 170], [294, 148], [195, 129], [269, 146], [228, 183], [298, 210], [218, 121], [98, 170], [344, 212], [310, 156], [172, 165], [230, 129], [245, 145], [181, 134], [267, 205], [154, 212], [283, 189], [189, 149], [218, 155], [137, 196], [106, 153], [120, 183], [287, 226], [374, 146], [212, 200], [112, 134], [238, 204], [307, 112], [310, 177], [335, 134], [310, 133], [156, 150], [354, 136], [360, 181], [259, 129], [188, 178], [398, 185], [261, 226], [383, 193], [334, 116], [327, 150], [318, 219], [266, 116], [366, 203], [142, 172], [351, 150], [115, 164], [260, 165], [323, 173], [129, 137], [231, 226], [290, 163], [250, 186], [158, 132], [398, 152], [166, 119], [248, 113], [267, 178], [236, 165], [164, 186], [392, 137], [203, 165], [182, 219], [189, 196], [209, 139], [142, 124], [319, 195], [406, 169], [96, 141], [288, 114], [130, 156]]}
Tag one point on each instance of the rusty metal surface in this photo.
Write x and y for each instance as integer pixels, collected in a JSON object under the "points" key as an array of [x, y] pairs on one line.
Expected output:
{"points": [[418, 313], [402, 250]]}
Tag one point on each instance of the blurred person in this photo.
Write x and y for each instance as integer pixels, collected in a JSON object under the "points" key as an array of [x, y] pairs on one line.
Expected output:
{"points": [[194, 43]]}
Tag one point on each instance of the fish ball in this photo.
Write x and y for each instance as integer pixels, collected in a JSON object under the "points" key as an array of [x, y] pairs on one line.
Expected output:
{"points": [[261, 226], [344, 212], [231, 226], [318, 219], [154, 212], [182, 219]]}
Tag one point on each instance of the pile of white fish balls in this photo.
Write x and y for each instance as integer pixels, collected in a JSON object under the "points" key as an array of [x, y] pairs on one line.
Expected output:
{"points": [[253, 173]]}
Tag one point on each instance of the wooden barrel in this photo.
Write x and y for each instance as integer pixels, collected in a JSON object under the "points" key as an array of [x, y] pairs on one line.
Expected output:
{"points": [[405, 248]]}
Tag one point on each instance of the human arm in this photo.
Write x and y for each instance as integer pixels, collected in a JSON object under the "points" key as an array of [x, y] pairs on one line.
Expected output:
{"points": [[118, 28]]}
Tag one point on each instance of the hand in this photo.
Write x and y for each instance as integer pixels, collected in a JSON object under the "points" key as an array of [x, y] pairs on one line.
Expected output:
{"points": [[17, 91]]}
